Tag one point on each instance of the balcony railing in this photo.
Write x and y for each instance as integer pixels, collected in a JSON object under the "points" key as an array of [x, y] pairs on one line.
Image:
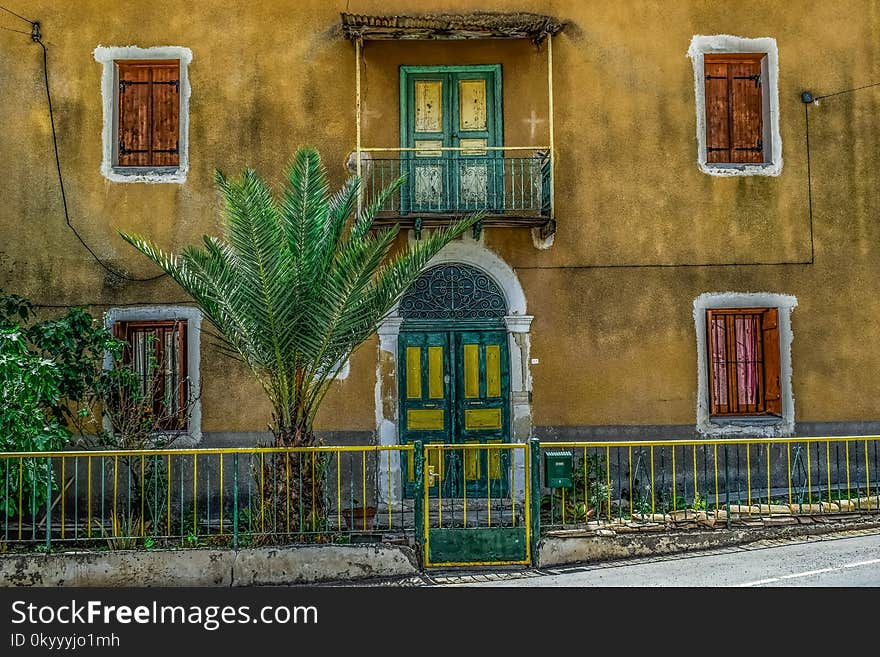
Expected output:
{"points": [[511, 188]]}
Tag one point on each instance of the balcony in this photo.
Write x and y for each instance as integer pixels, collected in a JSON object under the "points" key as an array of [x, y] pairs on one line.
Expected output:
{"points": [[511, 186], [461, 144]]}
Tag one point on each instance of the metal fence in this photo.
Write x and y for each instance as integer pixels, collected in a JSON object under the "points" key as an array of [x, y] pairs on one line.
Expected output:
{"points": [[418, 494], [682, 480], [194, 497]]}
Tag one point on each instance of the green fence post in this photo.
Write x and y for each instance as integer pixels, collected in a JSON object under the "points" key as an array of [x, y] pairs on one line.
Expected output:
{"points": [[235, 499], [535, 495], [49, 503], [419, 494]]}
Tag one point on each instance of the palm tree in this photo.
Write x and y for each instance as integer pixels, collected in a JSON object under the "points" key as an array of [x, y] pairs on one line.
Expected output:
{"points": [[295, 285]]}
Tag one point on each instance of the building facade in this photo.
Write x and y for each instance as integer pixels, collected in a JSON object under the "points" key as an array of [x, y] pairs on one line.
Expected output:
{"points": [[677, 241]]}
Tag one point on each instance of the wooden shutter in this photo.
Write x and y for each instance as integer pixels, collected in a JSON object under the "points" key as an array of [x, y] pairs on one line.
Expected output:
{"points": [[149, 113], [770, 335], [734, 108], [717, 113], [134, 115], [166, 108], [745, 93]]}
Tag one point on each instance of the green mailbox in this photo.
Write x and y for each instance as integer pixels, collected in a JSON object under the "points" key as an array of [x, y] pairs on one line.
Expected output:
{"points": [[557, 469]]}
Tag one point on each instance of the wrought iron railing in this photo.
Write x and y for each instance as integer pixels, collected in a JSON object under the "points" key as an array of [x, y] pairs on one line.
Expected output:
{"points": [[456, 181]]}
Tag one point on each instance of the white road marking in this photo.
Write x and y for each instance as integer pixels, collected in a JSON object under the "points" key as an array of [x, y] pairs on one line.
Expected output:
{"points": [[807, 573]]}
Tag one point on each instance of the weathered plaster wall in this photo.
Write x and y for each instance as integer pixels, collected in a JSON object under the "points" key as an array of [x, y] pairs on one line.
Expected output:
{"points": [[615, 342]]}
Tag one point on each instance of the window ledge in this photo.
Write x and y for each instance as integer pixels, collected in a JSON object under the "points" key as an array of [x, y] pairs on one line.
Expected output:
{"points": [[147, 174], [722, 169], [746, 420]]}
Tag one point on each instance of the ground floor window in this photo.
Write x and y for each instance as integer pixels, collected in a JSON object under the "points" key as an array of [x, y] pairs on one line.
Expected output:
{"points": [[744, 361], [156, 353]]}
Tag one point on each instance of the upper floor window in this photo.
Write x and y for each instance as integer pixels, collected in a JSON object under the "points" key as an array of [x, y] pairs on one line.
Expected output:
{"points": [[148, 113], [737, 105], [145, 95], [734, 115]]}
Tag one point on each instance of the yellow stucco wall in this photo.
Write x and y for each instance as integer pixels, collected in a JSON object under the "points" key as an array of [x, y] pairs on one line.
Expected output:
{"points": [[616, 345]]}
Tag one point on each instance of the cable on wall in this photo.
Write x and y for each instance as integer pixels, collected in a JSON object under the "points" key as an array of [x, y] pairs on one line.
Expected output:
{"points": [[36, 36]]}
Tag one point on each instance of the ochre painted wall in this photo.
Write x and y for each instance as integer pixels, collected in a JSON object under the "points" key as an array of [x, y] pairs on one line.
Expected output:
{"points": [[616, 343]]}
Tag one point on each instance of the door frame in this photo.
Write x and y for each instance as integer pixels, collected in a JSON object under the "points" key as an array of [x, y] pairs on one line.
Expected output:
{"points": [[518, 325], [453, 403]]}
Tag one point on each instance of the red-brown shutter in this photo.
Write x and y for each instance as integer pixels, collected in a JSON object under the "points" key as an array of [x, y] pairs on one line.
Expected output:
{"points": [[134, 115], [717, 112], [747, 119], [149, 111], [166, 108], [770, 335]]}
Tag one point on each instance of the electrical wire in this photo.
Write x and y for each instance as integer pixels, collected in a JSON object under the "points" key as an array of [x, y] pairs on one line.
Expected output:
{"points": [[9, 11], [9, 29], [110, 270], [847, 91]]}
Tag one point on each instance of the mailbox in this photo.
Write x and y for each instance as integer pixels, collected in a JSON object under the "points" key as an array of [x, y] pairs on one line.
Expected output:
{"points": [[558, 469]]}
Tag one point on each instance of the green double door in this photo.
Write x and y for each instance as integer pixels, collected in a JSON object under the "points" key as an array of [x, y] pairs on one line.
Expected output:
{"points": [[455, 389], [451, 107]]}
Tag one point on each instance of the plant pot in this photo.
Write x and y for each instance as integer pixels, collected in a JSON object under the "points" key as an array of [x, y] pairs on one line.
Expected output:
{"points": [[359, 518]]}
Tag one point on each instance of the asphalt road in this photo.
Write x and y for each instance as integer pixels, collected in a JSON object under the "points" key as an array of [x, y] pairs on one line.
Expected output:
{"points": [[845, 560]]}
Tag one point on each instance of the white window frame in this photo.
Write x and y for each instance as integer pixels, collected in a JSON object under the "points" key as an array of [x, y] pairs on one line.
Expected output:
{"points": [[725, 43], [107, 56], [193, 317], [769, 426]]}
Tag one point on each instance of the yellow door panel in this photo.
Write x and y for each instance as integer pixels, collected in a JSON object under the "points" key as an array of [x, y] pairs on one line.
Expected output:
{"points": [[493, 370], [424, 419], [435, 372], [414, 372], [471, 370], [482, 418]]}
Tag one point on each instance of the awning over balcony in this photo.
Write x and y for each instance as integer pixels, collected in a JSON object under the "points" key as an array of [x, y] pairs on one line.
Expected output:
{"points": [[477, 25]]}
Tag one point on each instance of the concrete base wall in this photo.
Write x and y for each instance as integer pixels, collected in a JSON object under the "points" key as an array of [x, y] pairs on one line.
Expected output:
{"points": [[205, 567], [560, 550]]}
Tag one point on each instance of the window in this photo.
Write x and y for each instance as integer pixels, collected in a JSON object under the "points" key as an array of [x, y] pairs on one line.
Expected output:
{"points": [[156, 352], [737, 105], [744, 361], [734, 119], [145, 95], [148, 113]]}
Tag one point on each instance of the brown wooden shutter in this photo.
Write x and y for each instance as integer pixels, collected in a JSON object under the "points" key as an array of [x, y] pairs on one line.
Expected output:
{"points": [[772, 388], [745, 92], [166, 108], [134, 115], [717, 112], [149, 111]]}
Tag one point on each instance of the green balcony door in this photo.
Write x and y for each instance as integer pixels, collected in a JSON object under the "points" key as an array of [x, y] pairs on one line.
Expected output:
{"points": [[451, 106], [455, 389]]}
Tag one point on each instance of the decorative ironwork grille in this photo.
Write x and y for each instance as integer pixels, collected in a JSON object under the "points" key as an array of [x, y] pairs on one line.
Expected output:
{"points": [[453, 292]]}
